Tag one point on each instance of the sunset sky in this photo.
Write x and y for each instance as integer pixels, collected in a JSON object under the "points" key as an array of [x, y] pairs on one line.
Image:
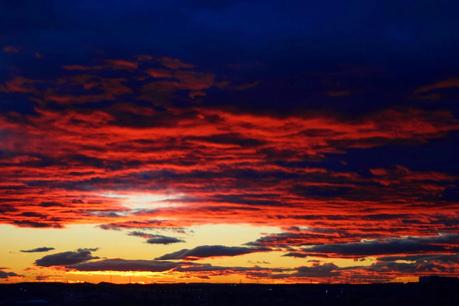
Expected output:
{"points": [[229, 141]]}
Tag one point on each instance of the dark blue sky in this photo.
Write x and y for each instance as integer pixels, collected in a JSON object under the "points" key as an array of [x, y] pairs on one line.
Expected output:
{"points": [[380, 51], [345, 58]]}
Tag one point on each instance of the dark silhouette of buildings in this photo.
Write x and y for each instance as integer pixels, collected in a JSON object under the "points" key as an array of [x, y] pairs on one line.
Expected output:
{"points": [[446, 280], [431, 291]]}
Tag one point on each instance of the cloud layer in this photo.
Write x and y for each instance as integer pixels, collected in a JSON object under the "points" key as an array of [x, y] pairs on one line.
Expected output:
{"points": [[204, 251], [145, 142], [38, 250], [66, 258]]}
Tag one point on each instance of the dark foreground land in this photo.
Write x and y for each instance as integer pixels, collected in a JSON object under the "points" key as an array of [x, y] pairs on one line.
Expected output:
{"points": [[432, 294]]}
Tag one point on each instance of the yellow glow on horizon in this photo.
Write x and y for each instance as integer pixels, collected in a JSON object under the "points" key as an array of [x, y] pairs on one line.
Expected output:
{"points": [[121, 273], [111, 244], [118, 244]]}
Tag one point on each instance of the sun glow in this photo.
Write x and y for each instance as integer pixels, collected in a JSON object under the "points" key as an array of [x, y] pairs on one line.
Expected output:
{"points": [[145, 200], [121, 273]]}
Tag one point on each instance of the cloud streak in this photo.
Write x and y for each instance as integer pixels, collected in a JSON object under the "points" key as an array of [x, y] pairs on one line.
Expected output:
{"points": [[205, 251], [66, 258], [409, 245], [5, 275], [156, 239], [38, 250]]}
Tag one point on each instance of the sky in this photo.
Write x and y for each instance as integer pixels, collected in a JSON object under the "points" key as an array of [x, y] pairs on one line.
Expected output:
{"points": [[228, 141]]}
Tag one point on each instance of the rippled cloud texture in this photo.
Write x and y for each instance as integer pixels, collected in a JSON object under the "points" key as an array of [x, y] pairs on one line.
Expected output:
{"points": [[346, 146]]}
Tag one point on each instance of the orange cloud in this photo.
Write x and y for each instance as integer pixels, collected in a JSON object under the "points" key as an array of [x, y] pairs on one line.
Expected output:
{"points": [[90, 135]]}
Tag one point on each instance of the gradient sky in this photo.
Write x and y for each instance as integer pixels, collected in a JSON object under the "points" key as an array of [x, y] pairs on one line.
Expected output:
{"points": [[228, 141]]}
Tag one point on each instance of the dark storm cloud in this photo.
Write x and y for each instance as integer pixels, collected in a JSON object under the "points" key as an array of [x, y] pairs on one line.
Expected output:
{"points": [[208, 251], [66, 258], [38, 250]]}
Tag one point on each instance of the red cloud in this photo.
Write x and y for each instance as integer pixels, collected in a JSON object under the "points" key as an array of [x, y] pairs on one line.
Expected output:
{"points": [[86, 139]]}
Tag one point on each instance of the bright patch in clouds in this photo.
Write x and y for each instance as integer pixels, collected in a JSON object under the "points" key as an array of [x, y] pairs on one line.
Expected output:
{"points": [[144, 200]]}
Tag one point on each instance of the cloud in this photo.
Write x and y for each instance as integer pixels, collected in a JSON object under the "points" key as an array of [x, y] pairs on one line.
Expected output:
{"points": [[159, 239], [140, 234], [156, 239], [174, 63], [162, 147], [189, 269], [36, 224], [352, 183], [10, 49], [51, 204], [123, 64], [321, 271], [208, 251], [4, 274], [66, 258], [445, 258], [409, 245], [38, 250], [123, 265], [301, 236], [416, 268], [438, 90], [291, 138]]}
